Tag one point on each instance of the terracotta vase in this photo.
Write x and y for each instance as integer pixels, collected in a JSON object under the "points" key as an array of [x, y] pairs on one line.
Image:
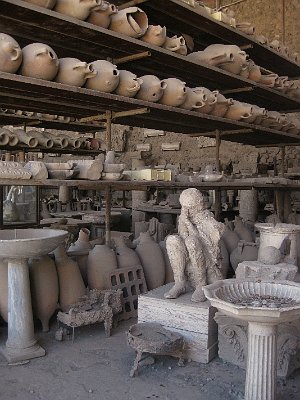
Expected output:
{"points": [[246, 27], [174, 94], [82, 244], [240, 59], [101, 260], [43, 3], [239, 111], [126, 257], [268, 80], [210, 100], [254, 71], [195, 98], [156, 35], [131, 21], [71, 285], [169, 274], [129, 84], [102, 16], [242, 231], [4, 290], [258, 115], [151, 89], [10, 54], [152, 260], [174, 43], [107, 78], [39, 61], [74, 72], [245, 251], [79, 9], [221, 105], [230, 238], [44, 289], [212, 58]]}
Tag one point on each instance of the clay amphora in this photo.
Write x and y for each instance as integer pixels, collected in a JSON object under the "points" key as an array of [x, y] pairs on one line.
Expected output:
{"points": [[254, 71], [241, 230], [4, 290], [79, 9], [131, 21], [102, 16], [245, 251], [43, 3], [169, 274], [10, 54], [152, 260], [126, 257], [174, 43], [44, 289], [230, 238], [268, 80], [71, 285], [195, 98], [151, 89], [258, 115], [246, 27], [107, 78], [39, 61], [240, 58], [210, 57], [101, 260], [239, 111], [155, 34], [74, 72], [129, 84], [82, 244], [175, 92], [210, 102], [221, 106]]}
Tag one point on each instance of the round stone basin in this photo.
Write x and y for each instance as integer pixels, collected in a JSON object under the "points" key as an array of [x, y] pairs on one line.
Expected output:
{"points": [[268, 302], [278, 228], [29, 243]]}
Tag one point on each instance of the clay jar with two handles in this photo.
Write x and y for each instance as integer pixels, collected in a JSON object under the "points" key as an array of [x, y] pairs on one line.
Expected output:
{"points": [[131, 21], [156, 35], [152, 88], [79, 9], [126, 257], [174, 93], [43, 3], [74, 72], [107, 77], [82, 244], [102, 16], [129, 84], [101, 261], [10, 54]]}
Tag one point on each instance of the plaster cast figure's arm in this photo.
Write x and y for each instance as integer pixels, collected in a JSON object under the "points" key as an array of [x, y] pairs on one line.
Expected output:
{"points": [[185, 226]]}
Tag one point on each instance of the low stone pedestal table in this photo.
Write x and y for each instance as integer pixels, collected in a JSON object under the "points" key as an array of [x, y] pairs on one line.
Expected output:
{"points": [[17, 246], [263, 305]]}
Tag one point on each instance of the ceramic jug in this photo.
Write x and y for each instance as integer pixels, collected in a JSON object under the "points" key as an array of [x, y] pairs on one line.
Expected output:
{"points": [[106, 79], [129, 84], [43, 3], [210, 100], [211, 57], [39, 61], [10, 54], [169, 274], [82, 244], [131, 21], [71, 285], [242, 231], [44, 289], [155, 34], [101, 261], [126, 257], [174, 93], [194, 99], [221, 105], [174, 43], [4, 290], [74, 72], [254, 71], [230, 237], [79, 9], [152, 260], [239, 111], [245, 251], [152, 88], [102, 16]]}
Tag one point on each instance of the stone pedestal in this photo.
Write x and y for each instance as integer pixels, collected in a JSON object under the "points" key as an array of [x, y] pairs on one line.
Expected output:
{"points": [[194, 321], [258, 271]]}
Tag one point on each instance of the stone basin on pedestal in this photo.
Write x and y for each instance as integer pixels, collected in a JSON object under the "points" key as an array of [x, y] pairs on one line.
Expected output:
{"points": [[263, 305], [17, 246]]}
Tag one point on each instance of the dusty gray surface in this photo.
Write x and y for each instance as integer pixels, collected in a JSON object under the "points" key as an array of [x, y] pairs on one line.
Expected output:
{"points": [[95, 367]]}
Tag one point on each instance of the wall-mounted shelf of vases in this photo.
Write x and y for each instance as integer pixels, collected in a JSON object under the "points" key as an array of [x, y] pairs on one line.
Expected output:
{"points": [[52, 150], [182, 18], [74, 38]]}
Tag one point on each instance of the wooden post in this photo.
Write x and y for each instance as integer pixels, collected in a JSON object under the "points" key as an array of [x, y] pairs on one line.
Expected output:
{"points": [[217, 204], [108, 130], [282, 161], [107, 215], [218, 144]]}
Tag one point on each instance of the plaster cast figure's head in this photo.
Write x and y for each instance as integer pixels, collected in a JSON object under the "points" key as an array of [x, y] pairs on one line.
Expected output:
{"points": [[192, 199]]}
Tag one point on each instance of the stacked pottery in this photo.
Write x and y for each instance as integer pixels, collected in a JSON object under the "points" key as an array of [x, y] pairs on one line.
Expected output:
{"points": [[151, 89], [152, 260], [39, 61], [210, 100], [129, 84], [156, 35], [176, 44], [82, 244], [43, 3], [245, 251], [195, 98], [106, 79], [10, 54], [71, 285], [126, 257], [4, 290], [174, 94], [131, 21], [79, 9], [74, 72], [221, 105], [44, 289], [101, 261], [239, 111], [102, 16]]}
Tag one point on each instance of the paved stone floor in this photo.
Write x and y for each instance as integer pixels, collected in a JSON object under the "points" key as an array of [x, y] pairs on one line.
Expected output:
{"points": [[95, 367]]}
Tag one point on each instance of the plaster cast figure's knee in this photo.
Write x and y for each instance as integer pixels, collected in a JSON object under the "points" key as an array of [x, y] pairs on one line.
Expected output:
{"points": [[194, 253]]}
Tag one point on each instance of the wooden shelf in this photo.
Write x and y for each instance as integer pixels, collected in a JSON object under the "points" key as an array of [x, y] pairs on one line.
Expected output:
{"points": [[54, 150], [70, 37]]}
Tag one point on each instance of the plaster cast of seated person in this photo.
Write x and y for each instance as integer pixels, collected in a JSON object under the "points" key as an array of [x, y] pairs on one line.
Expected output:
{"points": [[194, 253]]}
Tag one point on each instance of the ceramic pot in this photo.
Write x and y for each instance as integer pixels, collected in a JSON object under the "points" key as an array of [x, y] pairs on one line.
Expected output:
{"points": [[169, 274], [245, 251], [10, 54], [175, 43], [131, 21], [79, 9], [195, 99], [43, 3], [126, 257], [82, 244], [4, 290], [44, 289], [71, 285], [101, 260], [102, 16], [74, 72], [239, 111], [174, 94], [151, 89], [129, 84], [107, 77], [210, 100], [39, 61], [210, 57], [221, 105], [241, 230], [152, 260], [156, 35]]}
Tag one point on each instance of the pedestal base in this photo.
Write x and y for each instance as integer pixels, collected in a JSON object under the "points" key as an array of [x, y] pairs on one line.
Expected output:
{"points": [[17, 355]]}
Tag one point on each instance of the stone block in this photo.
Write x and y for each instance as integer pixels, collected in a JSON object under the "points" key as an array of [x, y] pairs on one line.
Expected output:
{"points": [[256, 270]]}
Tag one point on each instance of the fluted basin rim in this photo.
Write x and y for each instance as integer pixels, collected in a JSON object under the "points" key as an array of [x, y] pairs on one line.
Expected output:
{"points": [[277, 228]]}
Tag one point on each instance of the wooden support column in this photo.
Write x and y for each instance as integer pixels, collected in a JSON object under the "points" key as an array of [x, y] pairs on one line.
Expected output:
{"points": [[218, 207], [282, 161], [108, 130], [218, 144], [107, 215]]}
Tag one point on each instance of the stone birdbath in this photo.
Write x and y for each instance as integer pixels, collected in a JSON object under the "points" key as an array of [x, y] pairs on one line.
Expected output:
{"points": [[263, 305], [17, 246]]}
